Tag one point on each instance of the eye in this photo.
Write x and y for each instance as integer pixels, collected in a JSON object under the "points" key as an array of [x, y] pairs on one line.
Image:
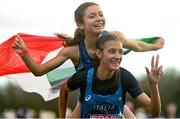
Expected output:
{"points": [[91, 16], [120, 51], [112, 51], [101, 14]]}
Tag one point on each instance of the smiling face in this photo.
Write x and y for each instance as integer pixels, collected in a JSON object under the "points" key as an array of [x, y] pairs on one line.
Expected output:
{"points": [[111, 55], [93, 20]]}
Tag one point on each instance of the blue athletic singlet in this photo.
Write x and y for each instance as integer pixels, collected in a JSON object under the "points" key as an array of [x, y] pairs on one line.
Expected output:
{"points": [[85, 61], [101, 104]]}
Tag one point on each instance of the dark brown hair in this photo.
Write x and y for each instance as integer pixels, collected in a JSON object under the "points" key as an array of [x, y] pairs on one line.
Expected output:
{"points": [[100, 44], [78, 16]]}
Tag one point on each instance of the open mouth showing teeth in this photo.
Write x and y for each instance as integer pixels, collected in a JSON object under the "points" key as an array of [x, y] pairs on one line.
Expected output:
{"points": [[114, 62], [99, 25]]}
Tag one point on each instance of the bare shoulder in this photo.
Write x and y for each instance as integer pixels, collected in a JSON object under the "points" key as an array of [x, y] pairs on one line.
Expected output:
{"points": [[71, 52]]}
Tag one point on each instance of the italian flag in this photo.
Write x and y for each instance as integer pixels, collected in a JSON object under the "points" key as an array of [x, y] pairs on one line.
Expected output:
{"points": [[42, 49]]}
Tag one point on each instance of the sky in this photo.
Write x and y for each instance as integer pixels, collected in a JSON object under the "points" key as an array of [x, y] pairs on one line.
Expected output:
{"points": [[134, 18]]}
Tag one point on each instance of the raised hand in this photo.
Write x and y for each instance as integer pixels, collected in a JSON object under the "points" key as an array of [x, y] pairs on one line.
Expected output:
{"points": [[19, 45], [64, 36], [67, 39], [159, 43], [156, 71]]}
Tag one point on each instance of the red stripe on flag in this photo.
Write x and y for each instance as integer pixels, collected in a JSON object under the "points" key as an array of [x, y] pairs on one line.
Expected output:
{"points": [[38, 48]]}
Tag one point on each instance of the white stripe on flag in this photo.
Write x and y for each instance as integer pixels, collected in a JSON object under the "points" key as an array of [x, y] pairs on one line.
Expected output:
{"points": [[41, 85]]}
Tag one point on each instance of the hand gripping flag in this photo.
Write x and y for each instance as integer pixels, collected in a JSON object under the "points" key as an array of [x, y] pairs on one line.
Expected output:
{"points": [[42, 49]]}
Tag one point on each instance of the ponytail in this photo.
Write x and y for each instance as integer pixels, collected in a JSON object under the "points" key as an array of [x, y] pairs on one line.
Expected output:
{"points": [[78, 35]]}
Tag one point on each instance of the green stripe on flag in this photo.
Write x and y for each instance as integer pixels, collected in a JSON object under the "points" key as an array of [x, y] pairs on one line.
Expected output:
{"points": [[59, 75], [147, 40]]}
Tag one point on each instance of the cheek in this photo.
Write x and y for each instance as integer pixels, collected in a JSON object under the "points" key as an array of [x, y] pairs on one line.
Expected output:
{"points": [[121, 59], [104, 22]]}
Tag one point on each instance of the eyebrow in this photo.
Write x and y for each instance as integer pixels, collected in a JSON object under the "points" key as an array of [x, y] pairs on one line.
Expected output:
{"points": [[95, 13]]}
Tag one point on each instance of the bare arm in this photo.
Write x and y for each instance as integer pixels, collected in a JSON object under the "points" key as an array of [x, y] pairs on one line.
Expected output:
{"points": [[63, 103], [138, 46], [156, 45], [76, 111], [63, 100], [127, 113], [153, 104], [40, 69]]}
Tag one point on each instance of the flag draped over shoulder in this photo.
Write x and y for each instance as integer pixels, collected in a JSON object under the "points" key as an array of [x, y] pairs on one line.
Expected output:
{"points": [[41, 49]]}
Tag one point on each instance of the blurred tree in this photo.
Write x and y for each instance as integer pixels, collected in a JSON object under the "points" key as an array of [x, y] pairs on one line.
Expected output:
{"points": [[168, 87]]}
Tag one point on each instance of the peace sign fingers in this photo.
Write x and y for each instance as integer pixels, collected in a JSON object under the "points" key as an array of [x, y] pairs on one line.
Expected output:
{"points": [[156, 71]]}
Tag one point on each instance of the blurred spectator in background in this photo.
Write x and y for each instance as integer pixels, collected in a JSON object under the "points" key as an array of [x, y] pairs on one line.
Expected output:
{"points": [[140, 113], [44, 114], [9, 113], [171, 110], [21, 112], [31, 113]]}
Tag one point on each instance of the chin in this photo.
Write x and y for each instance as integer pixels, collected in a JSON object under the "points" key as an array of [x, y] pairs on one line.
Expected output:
{"points": [[115, 68], [99, 31]]}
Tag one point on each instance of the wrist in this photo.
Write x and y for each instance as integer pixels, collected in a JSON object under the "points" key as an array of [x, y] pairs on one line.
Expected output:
{"points": [[23, 53], [153, 86]]}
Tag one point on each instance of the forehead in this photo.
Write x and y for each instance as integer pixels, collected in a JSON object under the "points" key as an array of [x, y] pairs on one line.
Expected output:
{"points": [[113, 45], [93, 9]]}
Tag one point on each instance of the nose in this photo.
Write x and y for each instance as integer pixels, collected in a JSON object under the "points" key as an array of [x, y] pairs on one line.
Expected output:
{"points": [[99, 18], [117, 55]]}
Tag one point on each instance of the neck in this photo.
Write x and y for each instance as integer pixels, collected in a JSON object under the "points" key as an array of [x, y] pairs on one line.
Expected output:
{"points": [[90, 41], [104, 74]]}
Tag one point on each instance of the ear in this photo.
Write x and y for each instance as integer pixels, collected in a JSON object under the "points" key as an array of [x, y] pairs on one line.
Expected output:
{"points": [[98, 53], [80, 26]]}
